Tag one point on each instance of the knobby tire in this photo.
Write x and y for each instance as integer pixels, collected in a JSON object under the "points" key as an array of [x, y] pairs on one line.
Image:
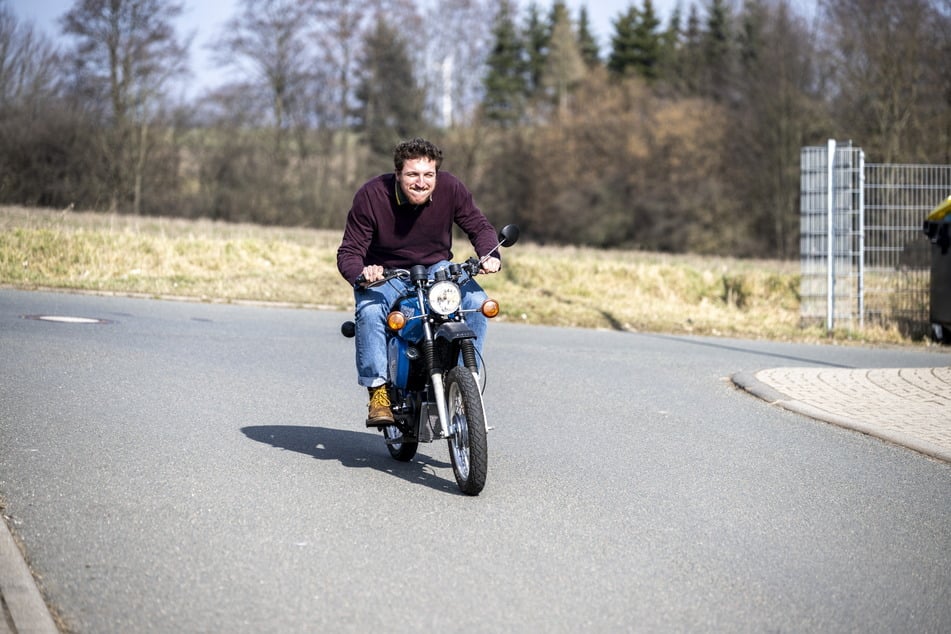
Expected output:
{"points": [[468, 445]]}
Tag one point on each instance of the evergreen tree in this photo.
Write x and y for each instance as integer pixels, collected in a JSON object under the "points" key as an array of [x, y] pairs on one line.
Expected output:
{"points": [[390, 103], [587, 44], [536, 37], [622, 59], [718, 52], [505, 81], [751, 26], [690, 55], [673, 34], [636, 45], [647, 43], [670, 47]]}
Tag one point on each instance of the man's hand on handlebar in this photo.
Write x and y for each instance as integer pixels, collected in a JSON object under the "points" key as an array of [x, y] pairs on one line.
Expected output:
{"points": [[371, 274], [490, 265]]}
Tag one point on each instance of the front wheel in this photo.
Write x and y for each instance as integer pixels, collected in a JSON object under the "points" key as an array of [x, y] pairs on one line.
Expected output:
{"points": [[468, 447]]}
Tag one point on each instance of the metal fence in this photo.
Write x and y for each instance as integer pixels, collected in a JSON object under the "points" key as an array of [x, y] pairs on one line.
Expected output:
{"points": [[864, 258]]}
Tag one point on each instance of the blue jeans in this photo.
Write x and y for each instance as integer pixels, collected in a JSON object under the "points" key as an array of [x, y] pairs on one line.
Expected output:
{"points": [[372, 307]]}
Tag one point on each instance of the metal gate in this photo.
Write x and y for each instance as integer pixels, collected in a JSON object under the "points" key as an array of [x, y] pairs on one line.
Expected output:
{"points": [[864, 257]]}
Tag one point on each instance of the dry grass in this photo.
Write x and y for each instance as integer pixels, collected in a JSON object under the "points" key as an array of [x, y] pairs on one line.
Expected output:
{"points": [[169, 258], [211, 261]]}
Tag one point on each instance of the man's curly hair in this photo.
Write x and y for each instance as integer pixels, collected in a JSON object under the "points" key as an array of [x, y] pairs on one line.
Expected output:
{"points": [[414, 149]]}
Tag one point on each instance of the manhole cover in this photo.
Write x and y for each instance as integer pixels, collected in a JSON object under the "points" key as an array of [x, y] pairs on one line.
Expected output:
{"points": [[65, 319]]}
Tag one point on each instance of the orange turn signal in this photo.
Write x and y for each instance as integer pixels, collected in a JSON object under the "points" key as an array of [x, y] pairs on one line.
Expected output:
{"points": [[396, 320], [490, 308]]}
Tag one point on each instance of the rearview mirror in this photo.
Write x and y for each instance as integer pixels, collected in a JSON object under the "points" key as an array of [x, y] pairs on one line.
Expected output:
{"points": [[508, 235]]}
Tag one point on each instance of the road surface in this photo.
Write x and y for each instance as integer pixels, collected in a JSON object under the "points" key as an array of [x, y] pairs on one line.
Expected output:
{"points": [[188, 467]]}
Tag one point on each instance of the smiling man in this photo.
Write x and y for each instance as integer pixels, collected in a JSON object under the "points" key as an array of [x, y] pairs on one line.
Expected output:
{"points": [[398, 220]]}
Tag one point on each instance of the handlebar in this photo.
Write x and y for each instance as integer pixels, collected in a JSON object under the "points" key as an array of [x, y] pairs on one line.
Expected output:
{"points": [[472, 266], [507, 237]]}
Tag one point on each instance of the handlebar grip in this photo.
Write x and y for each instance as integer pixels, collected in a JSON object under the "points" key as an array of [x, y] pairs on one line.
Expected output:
{"points": [[388, 274]]}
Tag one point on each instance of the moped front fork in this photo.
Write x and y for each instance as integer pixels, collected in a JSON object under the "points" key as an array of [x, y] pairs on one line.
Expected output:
{"points": [[439, 395]]}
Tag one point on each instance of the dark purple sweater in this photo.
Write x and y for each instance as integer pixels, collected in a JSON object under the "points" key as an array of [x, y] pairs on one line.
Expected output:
{"points": [[382, 231]]}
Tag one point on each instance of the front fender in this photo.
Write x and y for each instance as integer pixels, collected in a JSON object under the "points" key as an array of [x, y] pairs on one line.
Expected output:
{"points": [[454, 331]]}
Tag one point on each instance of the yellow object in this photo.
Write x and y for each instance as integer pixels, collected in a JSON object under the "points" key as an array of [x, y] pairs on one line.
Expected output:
{"points": [[939, 212], [396, 320], [490, 308]]}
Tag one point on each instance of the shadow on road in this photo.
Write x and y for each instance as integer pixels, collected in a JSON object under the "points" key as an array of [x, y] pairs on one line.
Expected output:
{"points": [[352, 449], [694, 342]]}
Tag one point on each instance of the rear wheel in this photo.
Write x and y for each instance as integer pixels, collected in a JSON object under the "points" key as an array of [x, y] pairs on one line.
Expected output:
{"points": [[400, 450], [468, 447]]}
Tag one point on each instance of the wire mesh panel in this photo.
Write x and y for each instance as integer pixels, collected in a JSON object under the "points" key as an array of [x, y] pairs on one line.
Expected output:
{"points": [[864, 257], [813, 253], [830, 235], [897, 253]]}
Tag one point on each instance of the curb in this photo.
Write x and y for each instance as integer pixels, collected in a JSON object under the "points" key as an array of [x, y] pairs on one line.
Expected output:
{"points": [[21, 603], [749, 383]]}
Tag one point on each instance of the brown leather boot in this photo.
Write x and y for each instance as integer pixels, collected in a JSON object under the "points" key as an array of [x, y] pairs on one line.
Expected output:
{"points": [[380, 414]]}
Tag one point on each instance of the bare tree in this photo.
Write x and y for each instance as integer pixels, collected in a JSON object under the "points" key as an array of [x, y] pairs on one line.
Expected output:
{"points": [[266, 45], [457, 47], [886, 59], [126, 52], [777, 111], [43, 147], [338, 35], [29, 67]]}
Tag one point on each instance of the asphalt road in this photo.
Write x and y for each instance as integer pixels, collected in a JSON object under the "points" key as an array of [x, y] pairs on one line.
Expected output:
{"points": [[192, 467]]}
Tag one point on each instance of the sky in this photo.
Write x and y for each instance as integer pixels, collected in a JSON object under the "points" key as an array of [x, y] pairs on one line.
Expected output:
{"points": [[206, 17]]}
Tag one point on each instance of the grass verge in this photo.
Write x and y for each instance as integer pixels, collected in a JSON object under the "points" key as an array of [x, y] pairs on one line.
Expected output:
{"points": [[560, 286]]}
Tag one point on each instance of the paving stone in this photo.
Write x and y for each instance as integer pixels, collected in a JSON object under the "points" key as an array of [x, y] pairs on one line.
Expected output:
{"points": [[910, 406]]}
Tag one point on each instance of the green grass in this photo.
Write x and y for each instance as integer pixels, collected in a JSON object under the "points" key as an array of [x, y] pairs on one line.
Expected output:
{"points": [[562, 286]]}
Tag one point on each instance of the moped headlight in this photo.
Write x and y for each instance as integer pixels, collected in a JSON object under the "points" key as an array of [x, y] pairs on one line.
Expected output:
{"points": [[445, 298]]}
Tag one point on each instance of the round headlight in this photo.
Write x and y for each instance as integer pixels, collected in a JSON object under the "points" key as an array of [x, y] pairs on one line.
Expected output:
{"points": [[445, 297]]}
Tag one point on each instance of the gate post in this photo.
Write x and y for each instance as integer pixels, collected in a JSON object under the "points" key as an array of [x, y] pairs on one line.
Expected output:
{"points": [[830, 235]]}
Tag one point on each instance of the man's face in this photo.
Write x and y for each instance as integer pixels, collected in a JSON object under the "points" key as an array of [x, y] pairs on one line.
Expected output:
{"points": [[418, 179]]}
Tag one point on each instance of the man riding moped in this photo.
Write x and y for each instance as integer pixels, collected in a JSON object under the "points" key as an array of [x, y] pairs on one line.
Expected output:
{"points": [[398, 220]]}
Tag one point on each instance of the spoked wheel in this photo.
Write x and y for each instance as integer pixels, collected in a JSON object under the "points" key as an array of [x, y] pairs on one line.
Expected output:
{"points": [[468, 448], [402, 451]]}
